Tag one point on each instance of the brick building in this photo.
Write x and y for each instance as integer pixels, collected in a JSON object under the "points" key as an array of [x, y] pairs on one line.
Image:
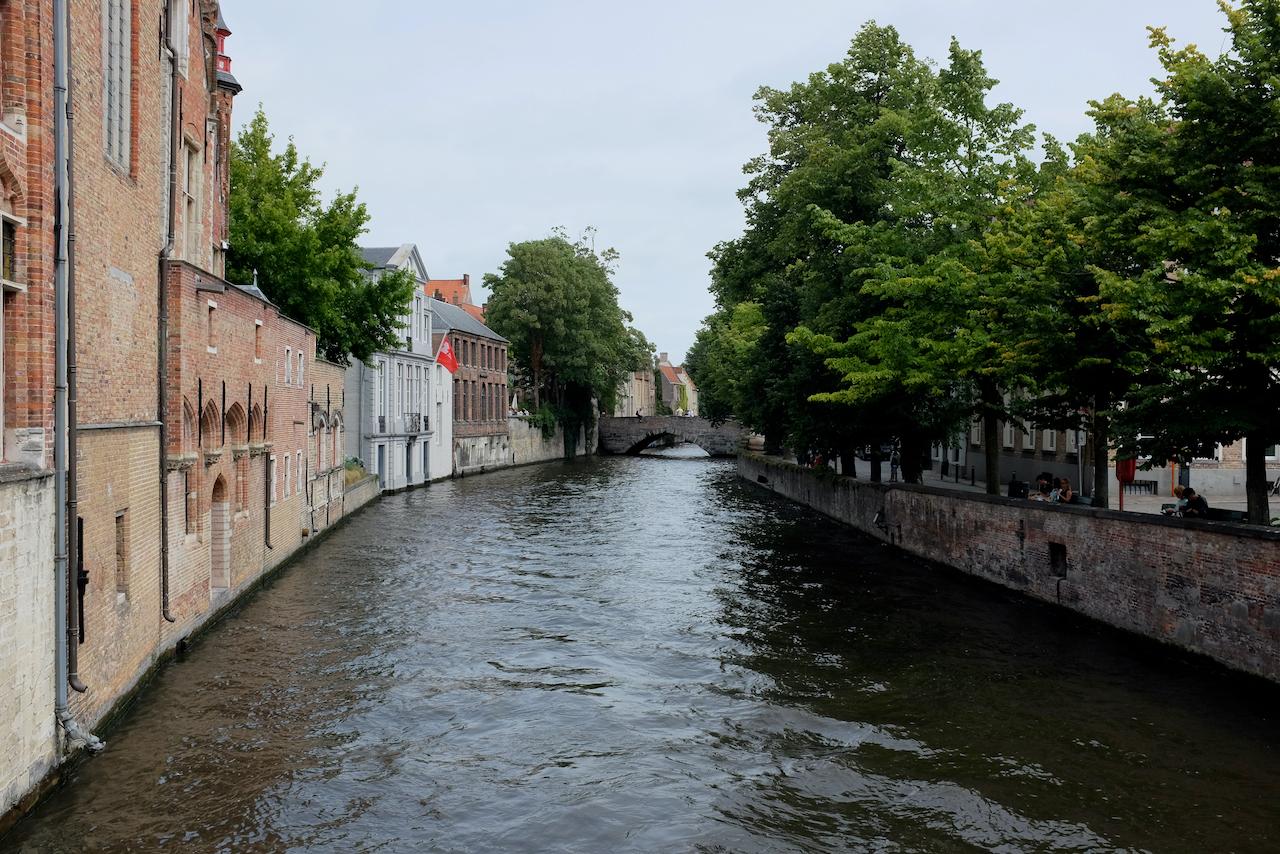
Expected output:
{"points": [[480, 399], [678, 391], [325, 467], [28, 738], [456, 292]]}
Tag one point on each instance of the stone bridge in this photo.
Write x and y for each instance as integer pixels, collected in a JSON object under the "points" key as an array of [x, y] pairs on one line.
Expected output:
{"points": [[633, 435]]}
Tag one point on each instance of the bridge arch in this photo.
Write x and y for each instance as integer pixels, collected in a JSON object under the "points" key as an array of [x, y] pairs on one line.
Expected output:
{"points": [[630, 436]]}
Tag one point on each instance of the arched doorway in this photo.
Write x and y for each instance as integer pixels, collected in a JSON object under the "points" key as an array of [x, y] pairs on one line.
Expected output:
{"points": [[220, 537]]}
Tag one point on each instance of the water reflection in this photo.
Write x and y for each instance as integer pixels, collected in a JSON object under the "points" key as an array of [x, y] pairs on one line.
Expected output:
{"points": [[633, 655]]}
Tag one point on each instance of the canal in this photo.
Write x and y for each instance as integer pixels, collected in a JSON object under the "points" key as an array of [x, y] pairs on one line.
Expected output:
{"points": [[649, 655]]}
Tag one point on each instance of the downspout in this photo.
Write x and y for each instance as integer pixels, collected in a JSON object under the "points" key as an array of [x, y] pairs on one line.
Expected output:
{"points": [[267, 486], [162, 320], [76, 734], [76, 577]]}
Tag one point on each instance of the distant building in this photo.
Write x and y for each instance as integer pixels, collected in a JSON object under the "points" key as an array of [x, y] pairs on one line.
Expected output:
{"points": [[480, 401], [678, 390], [455, 292], [636, 395], [389, 415]]}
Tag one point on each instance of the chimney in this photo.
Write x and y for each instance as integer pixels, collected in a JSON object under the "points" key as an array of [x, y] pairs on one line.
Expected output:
{"points": [[662, 358], [224, 61], [466, 280]]}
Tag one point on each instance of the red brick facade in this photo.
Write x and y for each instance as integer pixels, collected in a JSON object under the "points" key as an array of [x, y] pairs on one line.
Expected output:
{"points": [[479, 386], [26, 201]]}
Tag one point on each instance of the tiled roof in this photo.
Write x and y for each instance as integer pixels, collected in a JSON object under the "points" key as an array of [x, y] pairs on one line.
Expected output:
{"points": [[670, 373], [449, 317], [474, 310], [455, 291]]}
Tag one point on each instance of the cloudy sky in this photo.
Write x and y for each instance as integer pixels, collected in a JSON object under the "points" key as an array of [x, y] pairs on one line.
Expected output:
{"points": [[468, 126]]}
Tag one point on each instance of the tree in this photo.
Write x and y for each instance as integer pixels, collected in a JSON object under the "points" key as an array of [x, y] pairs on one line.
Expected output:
{"points": [[556, 303], [1191, 189], [303, 254]]}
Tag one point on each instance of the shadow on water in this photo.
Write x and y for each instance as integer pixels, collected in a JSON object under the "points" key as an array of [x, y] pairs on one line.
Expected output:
{"points": [[629, 655]]}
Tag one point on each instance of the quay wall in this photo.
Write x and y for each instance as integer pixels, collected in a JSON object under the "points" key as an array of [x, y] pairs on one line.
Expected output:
{"points": [[522, 445], [1209, 587]]}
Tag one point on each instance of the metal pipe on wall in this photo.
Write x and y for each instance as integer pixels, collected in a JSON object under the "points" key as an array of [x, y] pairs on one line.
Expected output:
{"points": [[75, 560], [162, 315], [63, 627]]}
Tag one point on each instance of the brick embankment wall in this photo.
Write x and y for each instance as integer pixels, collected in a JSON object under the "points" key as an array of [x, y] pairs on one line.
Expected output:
{"points": [[1212, 588]]}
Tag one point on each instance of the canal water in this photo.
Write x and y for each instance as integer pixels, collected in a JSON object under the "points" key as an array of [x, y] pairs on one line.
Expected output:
{"points": [[649, 655]]}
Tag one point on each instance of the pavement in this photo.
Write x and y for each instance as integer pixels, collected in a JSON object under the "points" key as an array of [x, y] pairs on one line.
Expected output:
{"points": [[1133, 503]]}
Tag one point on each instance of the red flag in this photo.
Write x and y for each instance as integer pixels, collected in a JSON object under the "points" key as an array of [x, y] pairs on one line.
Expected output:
{"points": [[445, 357]]}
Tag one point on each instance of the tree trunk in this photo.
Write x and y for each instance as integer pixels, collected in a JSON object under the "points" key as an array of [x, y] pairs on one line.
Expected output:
{"points": [[913, 451], [848, 462], [1256, 485], [875, 463], [1099, 445], [990, 436]]}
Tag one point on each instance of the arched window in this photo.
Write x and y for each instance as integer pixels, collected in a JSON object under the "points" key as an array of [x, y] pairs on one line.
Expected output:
{"points": [[255, 425], [210, 427], [237, 425]]}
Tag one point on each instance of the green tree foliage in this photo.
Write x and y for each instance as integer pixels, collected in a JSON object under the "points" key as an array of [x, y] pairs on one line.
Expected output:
{"points": [[304, 253], [1189, 187], [556, 303], [906, 267], [720, 361]]}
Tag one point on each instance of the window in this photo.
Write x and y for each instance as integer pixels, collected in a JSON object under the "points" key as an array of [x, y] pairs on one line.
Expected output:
{"points": [[257, 342], [1074, 439], [1051, 440], [288, 365], [211, 330], [117, 80], [301, 476], [300, 366], [975, 432], [271, 480], [193, 173], [122, 552], [9, 258], [189, 501], [288, 471]]}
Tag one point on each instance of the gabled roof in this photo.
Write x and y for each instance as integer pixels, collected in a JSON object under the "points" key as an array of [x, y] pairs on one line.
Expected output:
{"points": [[395, 258], [669, 372], [446, 317], [378, 256]]}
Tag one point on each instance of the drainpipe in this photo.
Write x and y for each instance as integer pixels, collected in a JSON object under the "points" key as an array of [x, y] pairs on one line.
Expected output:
{"points": [[64, 600], [162, 320], [267, 486], [76, 575]]}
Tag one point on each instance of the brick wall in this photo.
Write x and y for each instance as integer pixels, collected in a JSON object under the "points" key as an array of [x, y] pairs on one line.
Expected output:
{"points": [[1212, 588]]}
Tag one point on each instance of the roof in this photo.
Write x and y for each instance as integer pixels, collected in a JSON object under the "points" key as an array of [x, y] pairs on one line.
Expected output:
{"points": [[670, 373], [378, 256], [474, 310], [446, 317], [456, 291]]}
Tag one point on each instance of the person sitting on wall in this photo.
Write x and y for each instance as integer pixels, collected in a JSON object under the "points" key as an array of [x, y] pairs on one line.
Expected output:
{"points": [[1180, 501], [1064, 494], [1043, 491], [1196, 507]]}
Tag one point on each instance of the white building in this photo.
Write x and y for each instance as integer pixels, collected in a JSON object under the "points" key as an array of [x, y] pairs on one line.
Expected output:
{"points": [[389, 402]]}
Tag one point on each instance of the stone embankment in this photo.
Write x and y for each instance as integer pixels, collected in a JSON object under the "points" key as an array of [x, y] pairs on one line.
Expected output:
{"points": [[522, 445], [1209, 587]]}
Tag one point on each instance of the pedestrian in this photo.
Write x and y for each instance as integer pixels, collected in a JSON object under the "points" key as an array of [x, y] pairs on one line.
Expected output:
{"points": [[1179, 501], [1197, 507], [1064, 494]]}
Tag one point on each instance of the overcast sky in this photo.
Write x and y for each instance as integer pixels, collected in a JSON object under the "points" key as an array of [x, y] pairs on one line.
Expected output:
{"points": [[468, 126]]}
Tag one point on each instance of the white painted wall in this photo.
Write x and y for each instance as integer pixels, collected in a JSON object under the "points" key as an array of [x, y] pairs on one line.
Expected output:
{"points": [[28, 738]]}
